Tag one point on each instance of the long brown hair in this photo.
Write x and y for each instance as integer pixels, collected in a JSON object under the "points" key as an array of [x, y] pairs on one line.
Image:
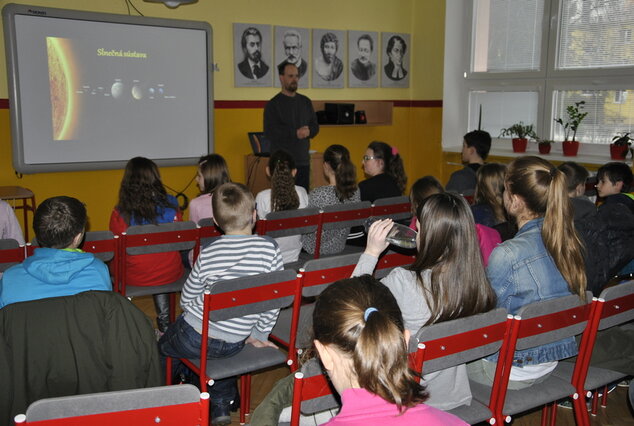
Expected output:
{"points": [[544, 190], [214, 171], [338, 158], [373, 339], [392, 162], [283, 193], [141, 192], [490, 189], [449, 248]]}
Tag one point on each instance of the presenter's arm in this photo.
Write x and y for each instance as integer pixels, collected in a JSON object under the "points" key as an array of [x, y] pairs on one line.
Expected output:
{"points": [[274, 127], [312, 122]]}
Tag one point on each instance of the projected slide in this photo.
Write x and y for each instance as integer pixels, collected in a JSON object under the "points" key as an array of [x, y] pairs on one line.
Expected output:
{"points": [[103, 91]]}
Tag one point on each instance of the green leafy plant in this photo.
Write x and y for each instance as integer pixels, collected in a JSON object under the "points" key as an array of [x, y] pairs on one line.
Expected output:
{"points": [[575, 117], [545, 141], [520, 130], [622, 139]]}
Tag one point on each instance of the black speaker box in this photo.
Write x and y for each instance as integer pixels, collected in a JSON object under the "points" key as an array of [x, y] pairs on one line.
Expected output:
{"points": [[340, 113]]}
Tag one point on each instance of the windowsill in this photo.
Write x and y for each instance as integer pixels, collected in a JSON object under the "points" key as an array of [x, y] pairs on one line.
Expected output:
{"points": [[588, 154]]}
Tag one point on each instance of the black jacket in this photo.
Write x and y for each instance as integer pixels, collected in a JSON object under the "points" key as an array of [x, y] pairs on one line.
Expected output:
{"points": [[95, 341]]}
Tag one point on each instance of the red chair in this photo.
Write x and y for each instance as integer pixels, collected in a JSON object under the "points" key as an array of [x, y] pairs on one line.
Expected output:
{"points": [[171, 405], [395, 208], [339, 216], [207, 232], [11, 253], [236, 298], [293, 325], [391, 260], [312, 392], [452, 343]]}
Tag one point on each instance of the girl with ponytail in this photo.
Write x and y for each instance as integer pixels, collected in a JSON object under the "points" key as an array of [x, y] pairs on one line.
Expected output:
{"points": [[342, 188], [283, 195], [362, 342], [543, 261], [384, 166]]}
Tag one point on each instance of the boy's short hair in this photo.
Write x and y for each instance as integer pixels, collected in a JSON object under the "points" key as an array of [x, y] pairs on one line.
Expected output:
{"points": [[58, 220], [616, 172], [480, 140], [233, 206], [575, 173]]}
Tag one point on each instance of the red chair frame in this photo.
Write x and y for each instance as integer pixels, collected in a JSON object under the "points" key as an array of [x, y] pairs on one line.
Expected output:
{"points": [[326, 217]]}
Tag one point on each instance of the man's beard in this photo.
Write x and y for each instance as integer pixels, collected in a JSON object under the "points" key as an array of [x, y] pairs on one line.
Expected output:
{"points": [[292, 87], [256, 56]]}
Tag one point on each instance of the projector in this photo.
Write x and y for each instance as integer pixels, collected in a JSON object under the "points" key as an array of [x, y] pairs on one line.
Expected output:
{"points": [[172, 3]]}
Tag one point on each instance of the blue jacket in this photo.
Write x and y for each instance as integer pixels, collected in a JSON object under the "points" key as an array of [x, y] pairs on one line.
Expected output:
{"points": [[51, 273], [521, 272]]}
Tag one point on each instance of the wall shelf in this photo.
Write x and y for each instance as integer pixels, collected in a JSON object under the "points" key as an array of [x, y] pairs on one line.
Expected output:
{"points": [[378, 113]]}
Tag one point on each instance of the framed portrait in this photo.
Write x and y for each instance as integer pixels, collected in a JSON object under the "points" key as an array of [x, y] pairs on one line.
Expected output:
{"points": [[293, 45], [252, 55], [395, 64], [329, 53], [363, 64]]}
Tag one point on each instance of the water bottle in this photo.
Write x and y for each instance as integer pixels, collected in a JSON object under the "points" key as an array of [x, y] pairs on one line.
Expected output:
{"points": [[399, 235]]}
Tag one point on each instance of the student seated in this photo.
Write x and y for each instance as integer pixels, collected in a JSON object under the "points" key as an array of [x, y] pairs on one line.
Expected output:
{"points": [[613, 184], [576, 176], [475, 149], [362, 343], [9, 226], [58, 267], [235, 254]]}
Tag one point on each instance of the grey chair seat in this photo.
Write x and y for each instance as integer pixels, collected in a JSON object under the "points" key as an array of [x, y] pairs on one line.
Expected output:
{"points": [[282, 329], [596, 378], [474, 413], [144, 290], [248, 359]]}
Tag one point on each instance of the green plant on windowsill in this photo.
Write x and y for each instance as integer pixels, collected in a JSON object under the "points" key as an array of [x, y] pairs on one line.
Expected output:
{"points": [[544, 145], [575, 117], [621, 145], [521, 132]]}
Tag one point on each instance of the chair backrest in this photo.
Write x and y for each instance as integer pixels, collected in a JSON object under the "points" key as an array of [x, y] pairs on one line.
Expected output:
{"points": [[458, 341], [617, 305], [395, 208], [345, 215], [180, 404], [312, 391], [164, 237], [207, 231], [317, 274], [391, 260], [289, 222], [103, 244], [11, 253]]}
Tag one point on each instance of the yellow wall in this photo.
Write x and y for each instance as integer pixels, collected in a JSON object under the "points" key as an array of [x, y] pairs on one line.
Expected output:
{"points": [[416, 131]]}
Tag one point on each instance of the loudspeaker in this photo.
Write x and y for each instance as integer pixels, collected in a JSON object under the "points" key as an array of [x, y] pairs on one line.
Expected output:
{"points": [[360, 118], [340, 113]]}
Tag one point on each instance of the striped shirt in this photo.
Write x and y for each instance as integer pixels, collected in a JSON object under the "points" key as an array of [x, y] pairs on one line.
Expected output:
{"points": [[231, 256]]}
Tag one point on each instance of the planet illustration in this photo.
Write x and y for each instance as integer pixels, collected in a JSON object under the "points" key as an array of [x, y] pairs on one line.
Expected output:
{"points": [[137, 92], [117, 90], [60, 75]]}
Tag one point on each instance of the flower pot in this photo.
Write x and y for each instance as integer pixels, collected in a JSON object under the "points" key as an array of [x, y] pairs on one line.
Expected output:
{"points": [[570, 148], [544, 148], [618, 152], [519, 145]]}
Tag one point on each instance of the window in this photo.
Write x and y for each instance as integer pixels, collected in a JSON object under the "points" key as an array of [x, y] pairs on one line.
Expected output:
{"points": [[526, 60]]}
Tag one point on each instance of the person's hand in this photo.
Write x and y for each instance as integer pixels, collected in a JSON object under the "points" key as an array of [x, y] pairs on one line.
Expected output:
{"points": [[303, 132], [259, 343], [376, 237]]}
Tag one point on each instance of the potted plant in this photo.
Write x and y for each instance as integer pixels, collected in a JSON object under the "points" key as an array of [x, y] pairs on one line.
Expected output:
{"points": [[620, 145], [544, 145], [571, 125], [521, 132]]}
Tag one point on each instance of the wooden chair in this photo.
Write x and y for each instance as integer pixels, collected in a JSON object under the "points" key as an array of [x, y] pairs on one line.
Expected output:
{"points": [[395, 208], [233, 299], [293, 326], [161, 238], [312, 392], [452, 343], [11, 253], [613, 307], [175, 405], [339, 216], [534, 325]]}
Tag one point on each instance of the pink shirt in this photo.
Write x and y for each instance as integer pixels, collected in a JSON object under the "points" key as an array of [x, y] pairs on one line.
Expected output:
{"points": [[360, 407], [200, 208]]}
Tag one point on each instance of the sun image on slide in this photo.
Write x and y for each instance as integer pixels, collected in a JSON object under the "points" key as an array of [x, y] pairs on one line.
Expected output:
{"points": [[61, 83]]}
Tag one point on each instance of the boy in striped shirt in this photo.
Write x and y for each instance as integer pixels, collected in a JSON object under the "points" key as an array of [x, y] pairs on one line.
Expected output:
{"points": [[235, 254]]}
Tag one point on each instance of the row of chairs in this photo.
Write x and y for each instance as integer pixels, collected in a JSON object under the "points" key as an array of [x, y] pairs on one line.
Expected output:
{"points": [[452, 343]]}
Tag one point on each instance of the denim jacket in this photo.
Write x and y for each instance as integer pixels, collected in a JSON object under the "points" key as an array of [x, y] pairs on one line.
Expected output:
{"points": [[521, 272]]}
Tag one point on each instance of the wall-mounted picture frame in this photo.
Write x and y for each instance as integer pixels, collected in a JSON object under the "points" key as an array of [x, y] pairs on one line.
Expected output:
{"points": [[252, 55], [363, 55], [329, 53], [395, 70], [292, 45]]}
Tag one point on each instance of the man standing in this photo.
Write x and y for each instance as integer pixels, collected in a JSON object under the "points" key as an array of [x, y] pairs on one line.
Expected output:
{"points": [[292, 42], [290, 122], [362, 67], [252, 66]]}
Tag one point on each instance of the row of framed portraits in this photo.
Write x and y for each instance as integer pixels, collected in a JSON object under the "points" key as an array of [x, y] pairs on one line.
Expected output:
{"points": [[326, 61]]}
